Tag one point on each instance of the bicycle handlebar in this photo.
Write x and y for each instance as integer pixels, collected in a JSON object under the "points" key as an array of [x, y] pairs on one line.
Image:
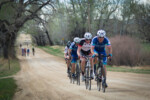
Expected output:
{"points": [[101, 56]]}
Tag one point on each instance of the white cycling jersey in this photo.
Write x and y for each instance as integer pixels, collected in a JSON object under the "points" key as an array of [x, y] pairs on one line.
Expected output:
{"points": [[85, 46], [66, 49]]}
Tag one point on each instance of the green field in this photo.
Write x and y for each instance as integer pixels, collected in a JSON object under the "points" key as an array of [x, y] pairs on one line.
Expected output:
{"points": [[127, 69], [58, 51], [8, 85], [4, 68], [54, 50], [7, 88]]}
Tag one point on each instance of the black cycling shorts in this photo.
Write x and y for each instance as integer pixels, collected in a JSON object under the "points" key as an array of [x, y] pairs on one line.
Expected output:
{"points": [[85, 52]]}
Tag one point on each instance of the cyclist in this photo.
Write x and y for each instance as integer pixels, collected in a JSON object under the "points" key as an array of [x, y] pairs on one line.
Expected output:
{"points": [[73, 54], [98, 48], [84, 50], [28, 52], [33, 51], [66, 56]]}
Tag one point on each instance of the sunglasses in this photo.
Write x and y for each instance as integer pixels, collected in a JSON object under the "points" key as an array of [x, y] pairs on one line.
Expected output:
{"points": [[100, 37], [88, 39]]}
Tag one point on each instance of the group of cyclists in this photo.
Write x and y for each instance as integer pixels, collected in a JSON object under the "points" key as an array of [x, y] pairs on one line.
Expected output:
{"points": [[87, 46]]}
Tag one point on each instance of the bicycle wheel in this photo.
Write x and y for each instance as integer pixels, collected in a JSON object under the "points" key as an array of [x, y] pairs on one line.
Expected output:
{"points": [[78, 74], [99, 75], [87, 78], [70, 74], [104, 82], [90, 83], [103, 87]]}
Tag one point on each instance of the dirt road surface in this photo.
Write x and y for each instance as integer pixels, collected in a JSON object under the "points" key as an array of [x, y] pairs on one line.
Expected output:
{"points": [[43, 77]]}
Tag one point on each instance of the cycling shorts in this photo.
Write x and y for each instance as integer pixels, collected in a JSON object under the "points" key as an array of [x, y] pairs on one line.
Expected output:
{"points": [[104, 58], [74, 58], [85, 53]]}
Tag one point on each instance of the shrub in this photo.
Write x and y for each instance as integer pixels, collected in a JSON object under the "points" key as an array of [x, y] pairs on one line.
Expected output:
{"points": [[128, 51]]}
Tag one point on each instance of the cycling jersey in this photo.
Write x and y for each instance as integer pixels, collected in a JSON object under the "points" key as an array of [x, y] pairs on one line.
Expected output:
{"points": [[100, 47], [74, 48], [74, 55], [66, 50], [84, 46]]}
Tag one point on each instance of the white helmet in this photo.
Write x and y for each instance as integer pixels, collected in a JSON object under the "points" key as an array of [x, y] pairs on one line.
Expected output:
{"points": [[76, 39], [101, 33], [88, 35]]}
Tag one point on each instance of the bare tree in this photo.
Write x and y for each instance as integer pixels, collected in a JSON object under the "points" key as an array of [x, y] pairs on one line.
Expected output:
{"points": [[22, 13]]}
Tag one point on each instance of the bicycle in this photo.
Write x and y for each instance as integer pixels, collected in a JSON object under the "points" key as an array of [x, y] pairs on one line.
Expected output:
{"points": [[77, 74], [87, 73], [99, 73]]}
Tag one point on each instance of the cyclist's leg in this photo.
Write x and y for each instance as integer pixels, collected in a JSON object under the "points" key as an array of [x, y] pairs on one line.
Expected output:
{"points": [[94, 61], [104, 63], [82, 65], [91, 61], [68, 63], [73, 61], [104, 69]]}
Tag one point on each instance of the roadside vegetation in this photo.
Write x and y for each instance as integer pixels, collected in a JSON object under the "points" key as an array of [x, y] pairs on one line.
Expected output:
{"points": [[7, 83], [145, 69], [54, 50]]}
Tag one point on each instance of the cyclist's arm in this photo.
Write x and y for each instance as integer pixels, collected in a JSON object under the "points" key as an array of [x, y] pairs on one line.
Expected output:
{"points": [[92, 46], [69, 52], [92, 49], [109, 49], [65, 55], [65, 52], [78, 51]]}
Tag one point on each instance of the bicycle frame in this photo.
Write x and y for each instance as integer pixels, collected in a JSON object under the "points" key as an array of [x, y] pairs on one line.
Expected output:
{"points": [[87, 73], [100, 72]]}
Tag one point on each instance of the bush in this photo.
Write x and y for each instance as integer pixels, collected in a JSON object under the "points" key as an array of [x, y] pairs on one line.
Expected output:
{"points": [[128, 51]]}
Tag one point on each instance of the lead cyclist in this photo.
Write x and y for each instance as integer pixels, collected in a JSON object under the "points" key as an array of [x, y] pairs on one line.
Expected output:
{"points": [[98, 47], [84, 50]]}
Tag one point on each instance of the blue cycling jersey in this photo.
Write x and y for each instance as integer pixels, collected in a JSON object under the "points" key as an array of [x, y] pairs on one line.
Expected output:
{"points": [[100, 47], [74, 48]]}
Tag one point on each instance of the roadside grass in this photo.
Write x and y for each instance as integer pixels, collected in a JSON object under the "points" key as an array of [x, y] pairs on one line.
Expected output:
{"points": [[7, 88], [8, 85], [54, 50], [4, 67], [58, 51], [129, 69]]}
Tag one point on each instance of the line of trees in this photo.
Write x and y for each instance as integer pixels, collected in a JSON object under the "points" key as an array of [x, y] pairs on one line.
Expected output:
{"points": [[75, 17], [54, 22], [13, 15]]}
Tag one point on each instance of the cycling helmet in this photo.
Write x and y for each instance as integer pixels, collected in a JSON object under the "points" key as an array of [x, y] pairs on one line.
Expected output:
{"points": [[76, 39], [88, 35], [68, 44], [101, 33]]}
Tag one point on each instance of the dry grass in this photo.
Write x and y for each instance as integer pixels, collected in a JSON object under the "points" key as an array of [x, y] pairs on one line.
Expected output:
{"points": [[128, 51]]}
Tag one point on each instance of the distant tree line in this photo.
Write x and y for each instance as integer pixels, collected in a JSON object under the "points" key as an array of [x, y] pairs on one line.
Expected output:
{"points": [[118, 17]]}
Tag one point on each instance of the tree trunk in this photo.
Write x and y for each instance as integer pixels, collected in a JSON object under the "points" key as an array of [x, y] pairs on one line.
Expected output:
{"points": [[49, 39]]}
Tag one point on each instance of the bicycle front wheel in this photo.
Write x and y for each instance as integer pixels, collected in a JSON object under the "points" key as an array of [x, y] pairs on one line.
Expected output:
{"points": [[78, 74], [87, 78], [99, 75]]}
